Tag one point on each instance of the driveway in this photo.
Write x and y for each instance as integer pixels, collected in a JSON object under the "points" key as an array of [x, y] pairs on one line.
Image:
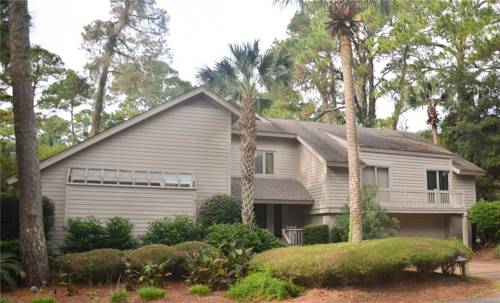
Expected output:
{"points": [[484, 269]]}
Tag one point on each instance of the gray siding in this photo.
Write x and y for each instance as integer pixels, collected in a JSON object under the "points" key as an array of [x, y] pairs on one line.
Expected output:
{"points": [[285, 155], [467, 185], [193, 137], [338, 186], [312, 174]]}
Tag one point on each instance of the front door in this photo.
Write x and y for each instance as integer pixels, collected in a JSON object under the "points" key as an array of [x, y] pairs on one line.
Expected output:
{"points": [[278, 220]]}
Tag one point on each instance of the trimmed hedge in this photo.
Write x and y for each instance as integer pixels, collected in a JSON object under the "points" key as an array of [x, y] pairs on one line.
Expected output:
{"points": [[100, 265], [316, 234], [154, 253], [368, 261], [220, 209], [171, 231]]}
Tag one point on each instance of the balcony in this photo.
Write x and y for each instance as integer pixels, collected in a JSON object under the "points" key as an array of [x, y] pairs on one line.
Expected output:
{"points": [[420, 201]]}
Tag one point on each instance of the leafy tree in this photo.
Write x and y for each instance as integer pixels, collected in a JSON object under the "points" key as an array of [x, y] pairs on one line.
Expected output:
{"points": [[245, 76], [135, 34], [33, 247]]}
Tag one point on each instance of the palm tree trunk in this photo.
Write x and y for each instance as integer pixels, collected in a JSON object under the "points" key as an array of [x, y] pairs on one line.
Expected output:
{"points": [[31, 234], [371, 93], [355, 227], [433, 120], [72, 113], [248, 137]]}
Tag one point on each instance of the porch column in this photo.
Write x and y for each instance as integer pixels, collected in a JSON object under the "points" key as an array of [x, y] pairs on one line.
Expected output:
{"points": [[465, 229]]}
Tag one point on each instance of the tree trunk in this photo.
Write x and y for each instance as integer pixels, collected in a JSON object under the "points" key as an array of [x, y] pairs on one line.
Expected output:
{"points": [[107, 59], [355, 226], [31, 234], [433, 121], [72, 113], [371, 93], [325, 106], [248, 137]]}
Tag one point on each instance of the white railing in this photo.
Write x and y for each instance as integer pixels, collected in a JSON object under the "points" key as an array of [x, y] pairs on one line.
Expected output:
{"points": [[426, 199], [293, 236]]}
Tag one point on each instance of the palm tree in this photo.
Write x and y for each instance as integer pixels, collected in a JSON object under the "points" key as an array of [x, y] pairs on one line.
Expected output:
{"points": [[244, 76]]}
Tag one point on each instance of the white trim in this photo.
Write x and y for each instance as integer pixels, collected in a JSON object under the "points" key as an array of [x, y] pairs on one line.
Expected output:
{"points": [[408, 153], [264, 152], [467, 172], [130, 122], [129, 186]]}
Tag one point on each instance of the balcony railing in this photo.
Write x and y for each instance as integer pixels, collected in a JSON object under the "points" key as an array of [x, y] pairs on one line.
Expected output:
{"points": [[293, 236], [424, 200]]}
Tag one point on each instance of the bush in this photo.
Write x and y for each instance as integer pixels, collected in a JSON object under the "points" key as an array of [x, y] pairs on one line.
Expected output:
{"points": [[100, 265], [189, 248], [220, 209], [227, 236], [151, 293], [10, 269], [10, 246], [262, 286], [155, 254], [9, 223], [170, 231], [199, 290], [368, 261], [84, 234], [150, 274], [119, 296], [485, 216], [376, 222], [43, 300], [497, 251], [316, 234]]}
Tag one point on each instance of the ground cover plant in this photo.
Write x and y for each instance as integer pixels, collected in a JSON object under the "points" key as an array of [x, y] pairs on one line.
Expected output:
{"points": [[188, 248], [199, 290], [43, 300], [151, 293], [262, 286], [368, 261], [119, 296]]}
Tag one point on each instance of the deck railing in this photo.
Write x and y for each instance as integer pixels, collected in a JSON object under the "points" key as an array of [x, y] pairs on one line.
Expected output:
{"points": [[411, 199], [293, 236]]}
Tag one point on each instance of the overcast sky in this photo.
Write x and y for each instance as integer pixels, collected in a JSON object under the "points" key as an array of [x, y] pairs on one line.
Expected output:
{"points": [[200, 31]]}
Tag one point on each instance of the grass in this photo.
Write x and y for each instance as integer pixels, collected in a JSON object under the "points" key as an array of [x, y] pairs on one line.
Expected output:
{"points": [[366, 262], [262, 286], [43, 300], [199, 290], [3, 300], [119, 296], [151, 293]]}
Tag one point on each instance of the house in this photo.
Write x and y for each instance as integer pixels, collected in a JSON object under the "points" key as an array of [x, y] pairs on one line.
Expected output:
{"points": [[165, 161]]}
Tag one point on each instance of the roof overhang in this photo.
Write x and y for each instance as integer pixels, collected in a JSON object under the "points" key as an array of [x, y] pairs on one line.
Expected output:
{"points": [[468, 172]]}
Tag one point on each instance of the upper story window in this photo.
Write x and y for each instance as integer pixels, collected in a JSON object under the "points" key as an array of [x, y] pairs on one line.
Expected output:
{"points": [[264, 162], [375, 176], [437, 179], [130, 177]]}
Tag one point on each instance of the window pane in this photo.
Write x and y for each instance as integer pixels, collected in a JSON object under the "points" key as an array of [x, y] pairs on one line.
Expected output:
{"points": [[431, 180], [155, 179], [443, 180], [382, 177], [94, 176], [141, 178], [186, 180], [269, 163], [258, 162], [171, 180], [77, 175], [126, 177], [369, 176], [109, 176]]}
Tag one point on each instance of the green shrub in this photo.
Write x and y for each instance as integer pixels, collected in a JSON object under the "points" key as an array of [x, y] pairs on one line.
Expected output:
{"points": [[497, 251], [9, 221], [262, 286], [368, 261], [171, 231], [10, 269], [99, 265], [150, 274], [155, 254], [189, 248], [84, 234], [151, 293], [119, 234], [10, 246], [43, 300], [118, 296], [315, 234], [229, 236], [3, 300], [376, 222], [485, 216], [220, 209], [199, 290]]}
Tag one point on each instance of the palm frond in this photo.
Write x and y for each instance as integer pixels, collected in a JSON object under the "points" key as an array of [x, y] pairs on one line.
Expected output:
{"points": [[10, 269]]}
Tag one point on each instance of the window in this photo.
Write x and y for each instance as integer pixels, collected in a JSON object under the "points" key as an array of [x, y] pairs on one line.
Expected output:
{"points": [[130, 177], [437, 179], [264, 163], [375, 176]]}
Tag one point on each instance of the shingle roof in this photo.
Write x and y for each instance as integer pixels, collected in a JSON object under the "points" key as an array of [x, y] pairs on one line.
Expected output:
{"points": [[465, 166], [274, 189]]}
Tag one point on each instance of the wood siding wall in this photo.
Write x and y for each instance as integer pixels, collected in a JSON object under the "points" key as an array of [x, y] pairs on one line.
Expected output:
{"points": [[312, 174], [467, 185], [194, 137]]}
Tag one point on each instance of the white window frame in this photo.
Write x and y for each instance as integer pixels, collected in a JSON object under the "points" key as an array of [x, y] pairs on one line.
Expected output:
{"points": [[376, 167], [437, 170], [264, 152], [133, 181]]}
